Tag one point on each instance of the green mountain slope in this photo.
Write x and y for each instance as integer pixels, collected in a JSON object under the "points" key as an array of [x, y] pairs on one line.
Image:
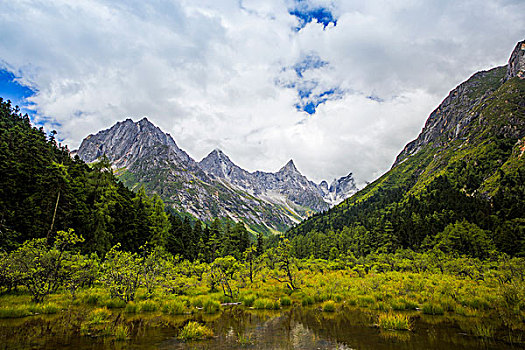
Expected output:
{"points": [[466, 166]]}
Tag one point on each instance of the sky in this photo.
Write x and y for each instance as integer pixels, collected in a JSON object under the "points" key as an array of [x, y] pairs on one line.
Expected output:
{"points": [[337, 86]]}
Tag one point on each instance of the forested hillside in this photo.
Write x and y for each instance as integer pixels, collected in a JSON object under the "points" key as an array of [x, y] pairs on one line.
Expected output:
{"points": [[44, 190], [459, 186]]}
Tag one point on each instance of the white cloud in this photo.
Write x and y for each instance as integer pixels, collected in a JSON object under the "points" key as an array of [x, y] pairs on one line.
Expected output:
{"points": [[206, 72]]}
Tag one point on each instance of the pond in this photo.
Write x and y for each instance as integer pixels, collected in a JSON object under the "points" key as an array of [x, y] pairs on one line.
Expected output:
{"points": [[241, 328]]}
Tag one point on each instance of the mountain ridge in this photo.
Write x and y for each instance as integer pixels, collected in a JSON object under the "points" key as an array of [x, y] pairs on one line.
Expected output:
{"points": [[142, 154], [466, 165]]}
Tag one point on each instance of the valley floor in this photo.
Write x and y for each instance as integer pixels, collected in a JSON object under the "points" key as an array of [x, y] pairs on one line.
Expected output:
{"points": [[483, 305]]}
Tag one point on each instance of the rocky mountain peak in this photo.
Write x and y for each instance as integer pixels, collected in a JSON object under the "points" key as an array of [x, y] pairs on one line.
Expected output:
{"points": [[516, 66], [289, 168]]}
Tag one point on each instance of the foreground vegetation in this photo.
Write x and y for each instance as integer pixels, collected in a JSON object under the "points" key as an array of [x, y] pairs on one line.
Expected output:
{"points": [[394, 287]]}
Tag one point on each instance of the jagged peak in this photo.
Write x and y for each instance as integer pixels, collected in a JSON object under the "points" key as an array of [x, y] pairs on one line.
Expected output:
{"points": [[289, 167], [218, 154], [516, 66]]}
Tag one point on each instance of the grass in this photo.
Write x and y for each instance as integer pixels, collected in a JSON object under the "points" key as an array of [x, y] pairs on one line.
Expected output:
{"points": [[307, 300], [148, 306], [131, 308], [285, 301], [329, 306], [395, 321], [248, 300], [99, 315], [14, 311], [121, 332], [195, 331], [211, 306], [44, 308], [483, 330], [431, 308], [174, 307], [267, 304]]}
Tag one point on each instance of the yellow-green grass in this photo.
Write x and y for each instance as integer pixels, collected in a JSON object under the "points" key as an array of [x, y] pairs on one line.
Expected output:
{"points": [[394, 321], [195, 331]]}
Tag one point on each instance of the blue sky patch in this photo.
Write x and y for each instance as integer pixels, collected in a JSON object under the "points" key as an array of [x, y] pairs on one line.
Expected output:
{"points": [[310, 92], [310, 104], [307, 12], [10, 89]]}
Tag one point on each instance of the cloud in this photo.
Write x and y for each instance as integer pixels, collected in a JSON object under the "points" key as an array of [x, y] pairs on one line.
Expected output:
{"points": [[339, 86]]}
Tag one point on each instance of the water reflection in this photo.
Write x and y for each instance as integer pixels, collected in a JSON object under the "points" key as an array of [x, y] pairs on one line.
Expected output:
{"points": [[240, 328]]}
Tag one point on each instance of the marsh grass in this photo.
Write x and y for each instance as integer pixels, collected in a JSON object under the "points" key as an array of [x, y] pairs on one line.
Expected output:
{"points": [[483, 330], [432, 308], [245, 339], [99, 315], [14, 311], [285, 301], [148, 306], [195, 331], [211, 306], [395, 321], [248, 300], [307, 300], [329, 306], [131, 308], [267, 304], [174, 307], [121, 332], [44, 308]]}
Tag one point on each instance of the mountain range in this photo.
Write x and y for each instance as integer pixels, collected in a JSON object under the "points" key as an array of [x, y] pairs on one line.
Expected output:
{"points": [[143, 155]]}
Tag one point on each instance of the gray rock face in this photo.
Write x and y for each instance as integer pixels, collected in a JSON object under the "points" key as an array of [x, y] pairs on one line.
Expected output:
{"points": [[126, 142], [143, 155], [339, 189], [516, 66], [456, 111]]}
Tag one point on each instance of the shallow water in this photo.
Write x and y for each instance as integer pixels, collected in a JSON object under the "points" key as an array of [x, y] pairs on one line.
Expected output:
{"points": [[240, 328]]}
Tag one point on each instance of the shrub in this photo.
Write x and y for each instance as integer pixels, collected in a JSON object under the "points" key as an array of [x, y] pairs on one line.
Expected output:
{"points": [[195, 331]]}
